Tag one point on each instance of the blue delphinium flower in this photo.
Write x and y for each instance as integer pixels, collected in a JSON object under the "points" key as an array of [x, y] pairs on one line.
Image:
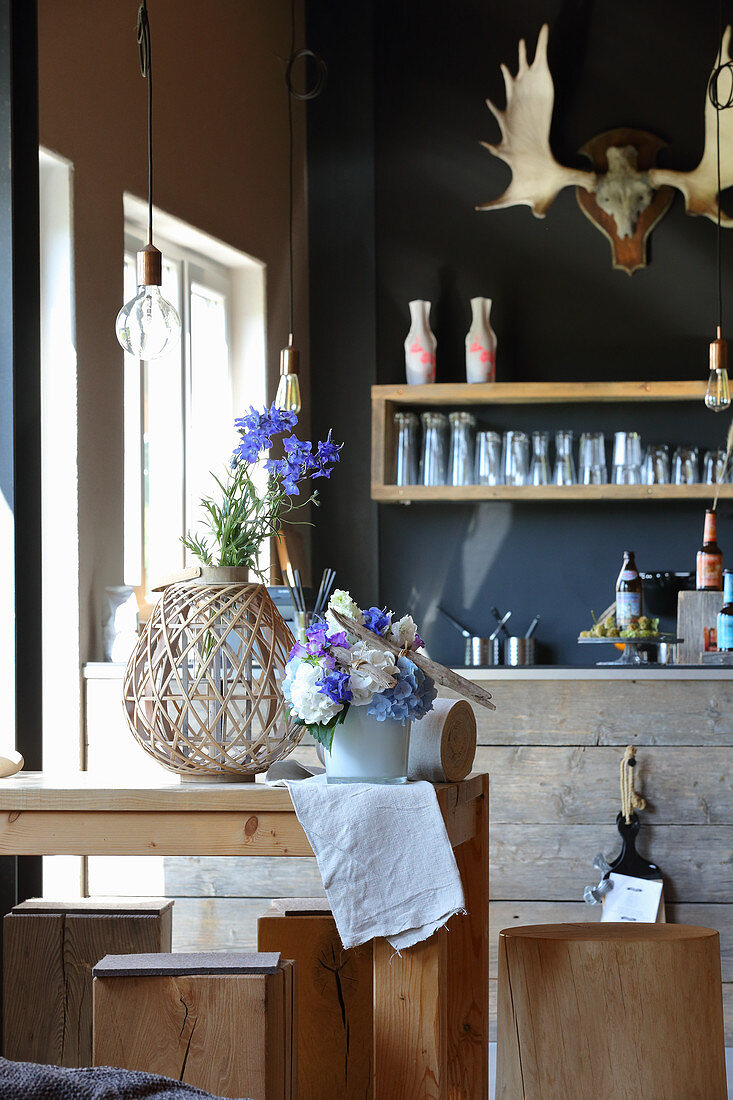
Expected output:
{"points": [[377, 620], [335, 684], [410, 698], [326, 456]]}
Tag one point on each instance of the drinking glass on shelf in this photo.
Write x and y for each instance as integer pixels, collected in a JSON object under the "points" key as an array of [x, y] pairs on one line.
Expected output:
{"points": [[515, 459], [564, 472], [655, 470], [488, 468], [593, 470], [627, 458], [714, 467], [685, 468], [539, 471], [406, 453], [434, 448], [462, 427]]}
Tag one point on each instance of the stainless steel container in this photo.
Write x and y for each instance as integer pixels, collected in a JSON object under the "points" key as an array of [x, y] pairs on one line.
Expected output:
{"points": [[482, 652], [666, 653], [519, 651]]}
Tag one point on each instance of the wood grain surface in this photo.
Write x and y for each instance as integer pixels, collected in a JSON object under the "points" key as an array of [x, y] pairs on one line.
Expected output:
{"points": [[605, 1010]]}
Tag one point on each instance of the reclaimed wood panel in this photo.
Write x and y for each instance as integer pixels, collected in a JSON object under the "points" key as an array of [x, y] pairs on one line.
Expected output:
{"points": [[217, 924], [695, 611], [580, 785], [242, 877], [607, 712], [555, 862]]}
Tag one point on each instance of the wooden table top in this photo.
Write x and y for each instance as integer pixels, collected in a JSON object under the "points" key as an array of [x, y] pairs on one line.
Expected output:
{"points": [[90, 791]]}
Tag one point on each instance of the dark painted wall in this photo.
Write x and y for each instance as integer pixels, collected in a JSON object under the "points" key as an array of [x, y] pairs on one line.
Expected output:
{"points": [[392, 218]]}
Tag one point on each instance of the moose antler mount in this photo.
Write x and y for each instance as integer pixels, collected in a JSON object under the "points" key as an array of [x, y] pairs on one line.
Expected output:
{"points": [[626, 194]]}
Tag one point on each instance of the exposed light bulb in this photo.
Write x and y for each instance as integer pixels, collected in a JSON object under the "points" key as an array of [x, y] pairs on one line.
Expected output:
{"points": [[148, 326], [288, 390], [717, 395]]}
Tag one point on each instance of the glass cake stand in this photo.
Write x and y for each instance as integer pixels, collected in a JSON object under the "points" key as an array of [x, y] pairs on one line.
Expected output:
{"points": [[630, 655]]}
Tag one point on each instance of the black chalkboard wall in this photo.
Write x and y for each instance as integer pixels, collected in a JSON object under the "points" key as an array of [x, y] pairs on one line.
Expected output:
{"points": [[394, 172]]}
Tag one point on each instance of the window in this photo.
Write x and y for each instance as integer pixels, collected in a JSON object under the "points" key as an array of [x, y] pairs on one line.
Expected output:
{"points": [[179, 409]]}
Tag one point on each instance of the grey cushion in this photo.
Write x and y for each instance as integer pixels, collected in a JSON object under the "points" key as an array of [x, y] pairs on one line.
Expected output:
{"points": [[28, 1081]]}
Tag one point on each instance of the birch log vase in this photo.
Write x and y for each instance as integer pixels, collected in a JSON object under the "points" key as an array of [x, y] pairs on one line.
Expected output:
{"points": [[443, 743], [203, 689]]}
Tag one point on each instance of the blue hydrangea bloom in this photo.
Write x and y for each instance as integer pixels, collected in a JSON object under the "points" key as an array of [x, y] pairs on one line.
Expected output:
{"points": [[377, 620], [410, 698], [335, 685]]}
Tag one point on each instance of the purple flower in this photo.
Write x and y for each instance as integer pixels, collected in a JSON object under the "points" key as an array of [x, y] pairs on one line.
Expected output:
{"points": [[410, 698], [377, 620], [339, 639], [257, 429], [335, 685], [298, 650], [418, 643], [316, 639]]}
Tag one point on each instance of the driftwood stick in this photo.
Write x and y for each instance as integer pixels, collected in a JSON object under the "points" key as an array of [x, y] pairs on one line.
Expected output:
{"points": [[439, 673]]}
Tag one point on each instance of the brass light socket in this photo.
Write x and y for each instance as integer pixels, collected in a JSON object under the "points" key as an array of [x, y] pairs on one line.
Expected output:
{"points": [[149, 266], [289, 360], [719, 353]]}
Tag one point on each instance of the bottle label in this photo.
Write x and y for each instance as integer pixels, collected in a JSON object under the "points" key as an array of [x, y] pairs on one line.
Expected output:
{"points": [[725, 631], [710, 532], [628, 607], [709, 570], [628, 575]]}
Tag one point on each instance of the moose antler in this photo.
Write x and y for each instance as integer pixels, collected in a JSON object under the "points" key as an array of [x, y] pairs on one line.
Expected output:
{"points": [[700, 186], [537, 178]]}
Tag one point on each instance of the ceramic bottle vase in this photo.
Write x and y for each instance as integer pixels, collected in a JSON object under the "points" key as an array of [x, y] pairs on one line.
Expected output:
{"points": [[420, 346], [480, 343]]}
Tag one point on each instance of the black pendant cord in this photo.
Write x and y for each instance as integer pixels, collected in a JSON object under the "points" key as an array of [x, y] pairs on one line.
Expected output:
{"points": [[313, 92], [143, 45], [720, 103]]}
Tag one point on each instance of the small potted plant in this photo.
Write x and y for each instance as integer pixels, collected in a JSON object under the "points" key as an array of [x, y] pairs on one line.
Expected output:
{"points": [[358, 698]]}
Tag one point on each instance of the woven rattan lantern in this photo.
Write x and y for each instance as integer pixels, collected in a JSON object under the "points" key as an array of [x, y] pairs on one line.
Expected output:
{"points": [[202, 690]]}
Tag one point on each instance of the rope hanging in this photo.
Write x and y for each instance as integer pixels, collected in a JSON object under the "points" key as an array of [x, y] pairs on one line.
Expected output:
{"points": [[630, 800]]}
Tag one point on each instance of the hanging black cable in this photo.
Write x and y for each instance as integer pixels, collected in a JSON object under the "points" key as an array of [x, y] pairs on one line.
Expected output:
{"points": [[319, 83], [143, 45], [720, 103]]}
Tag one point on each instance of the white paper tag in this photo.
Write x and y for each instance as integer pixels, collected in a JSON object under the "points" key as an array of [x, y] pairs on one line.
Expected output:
{"points": [[632, 899]]}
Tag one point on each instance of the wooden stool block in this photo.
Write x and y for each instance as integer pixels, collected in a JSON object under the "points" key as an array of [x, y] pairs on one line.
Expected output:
{"points": [[610, 1010], [221, 1022], [49, 949], [334, 1037]]}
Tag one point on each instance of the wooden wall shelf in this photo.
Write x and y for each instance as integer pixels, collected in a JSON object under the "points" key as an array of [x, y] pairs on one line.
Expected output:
{"points": [[537, 393], [385, 399], [408, 494]]}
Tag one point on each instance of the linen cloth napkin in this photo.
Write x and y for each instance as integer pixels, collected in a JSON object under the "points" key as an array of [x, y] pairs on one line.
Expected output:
{"points": [[384, 855]]}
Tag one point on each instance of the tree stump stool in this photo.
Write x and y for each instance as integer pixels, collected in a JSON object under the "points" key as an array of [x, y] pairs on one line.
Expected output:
{"points": [[610, 1010], [222, 1022], [334, 1034], [49, 949]]}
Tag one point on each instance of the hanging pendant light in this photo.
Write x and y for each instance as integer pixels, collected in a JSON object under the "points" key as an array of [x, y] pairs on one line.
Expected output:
{"points": [[717, 395], [148, 326], [288, 390]]}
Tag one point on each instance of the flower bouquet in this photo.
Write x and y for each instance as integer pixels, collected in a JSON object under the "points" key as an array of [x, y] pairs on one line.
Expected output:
{"points": [[337, 679]]}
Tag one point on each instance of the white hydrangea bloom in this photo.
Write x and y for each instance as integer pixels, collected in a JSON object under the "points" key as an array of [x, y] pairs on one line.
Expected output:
{"points": [[342, 602], [362, 683], [403, 632], [308, 702]]}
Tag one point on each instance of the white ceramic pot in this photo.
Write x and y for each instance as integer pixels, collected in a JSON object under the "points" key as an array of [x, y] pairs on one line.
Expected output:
{"points": [[367, 751]]}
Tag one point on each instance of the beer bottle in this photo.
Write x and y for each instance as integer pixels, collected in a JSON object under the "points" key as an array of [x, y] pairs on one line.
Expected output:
{"points": [[725, 615], [628, 592], [710, 557]]}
